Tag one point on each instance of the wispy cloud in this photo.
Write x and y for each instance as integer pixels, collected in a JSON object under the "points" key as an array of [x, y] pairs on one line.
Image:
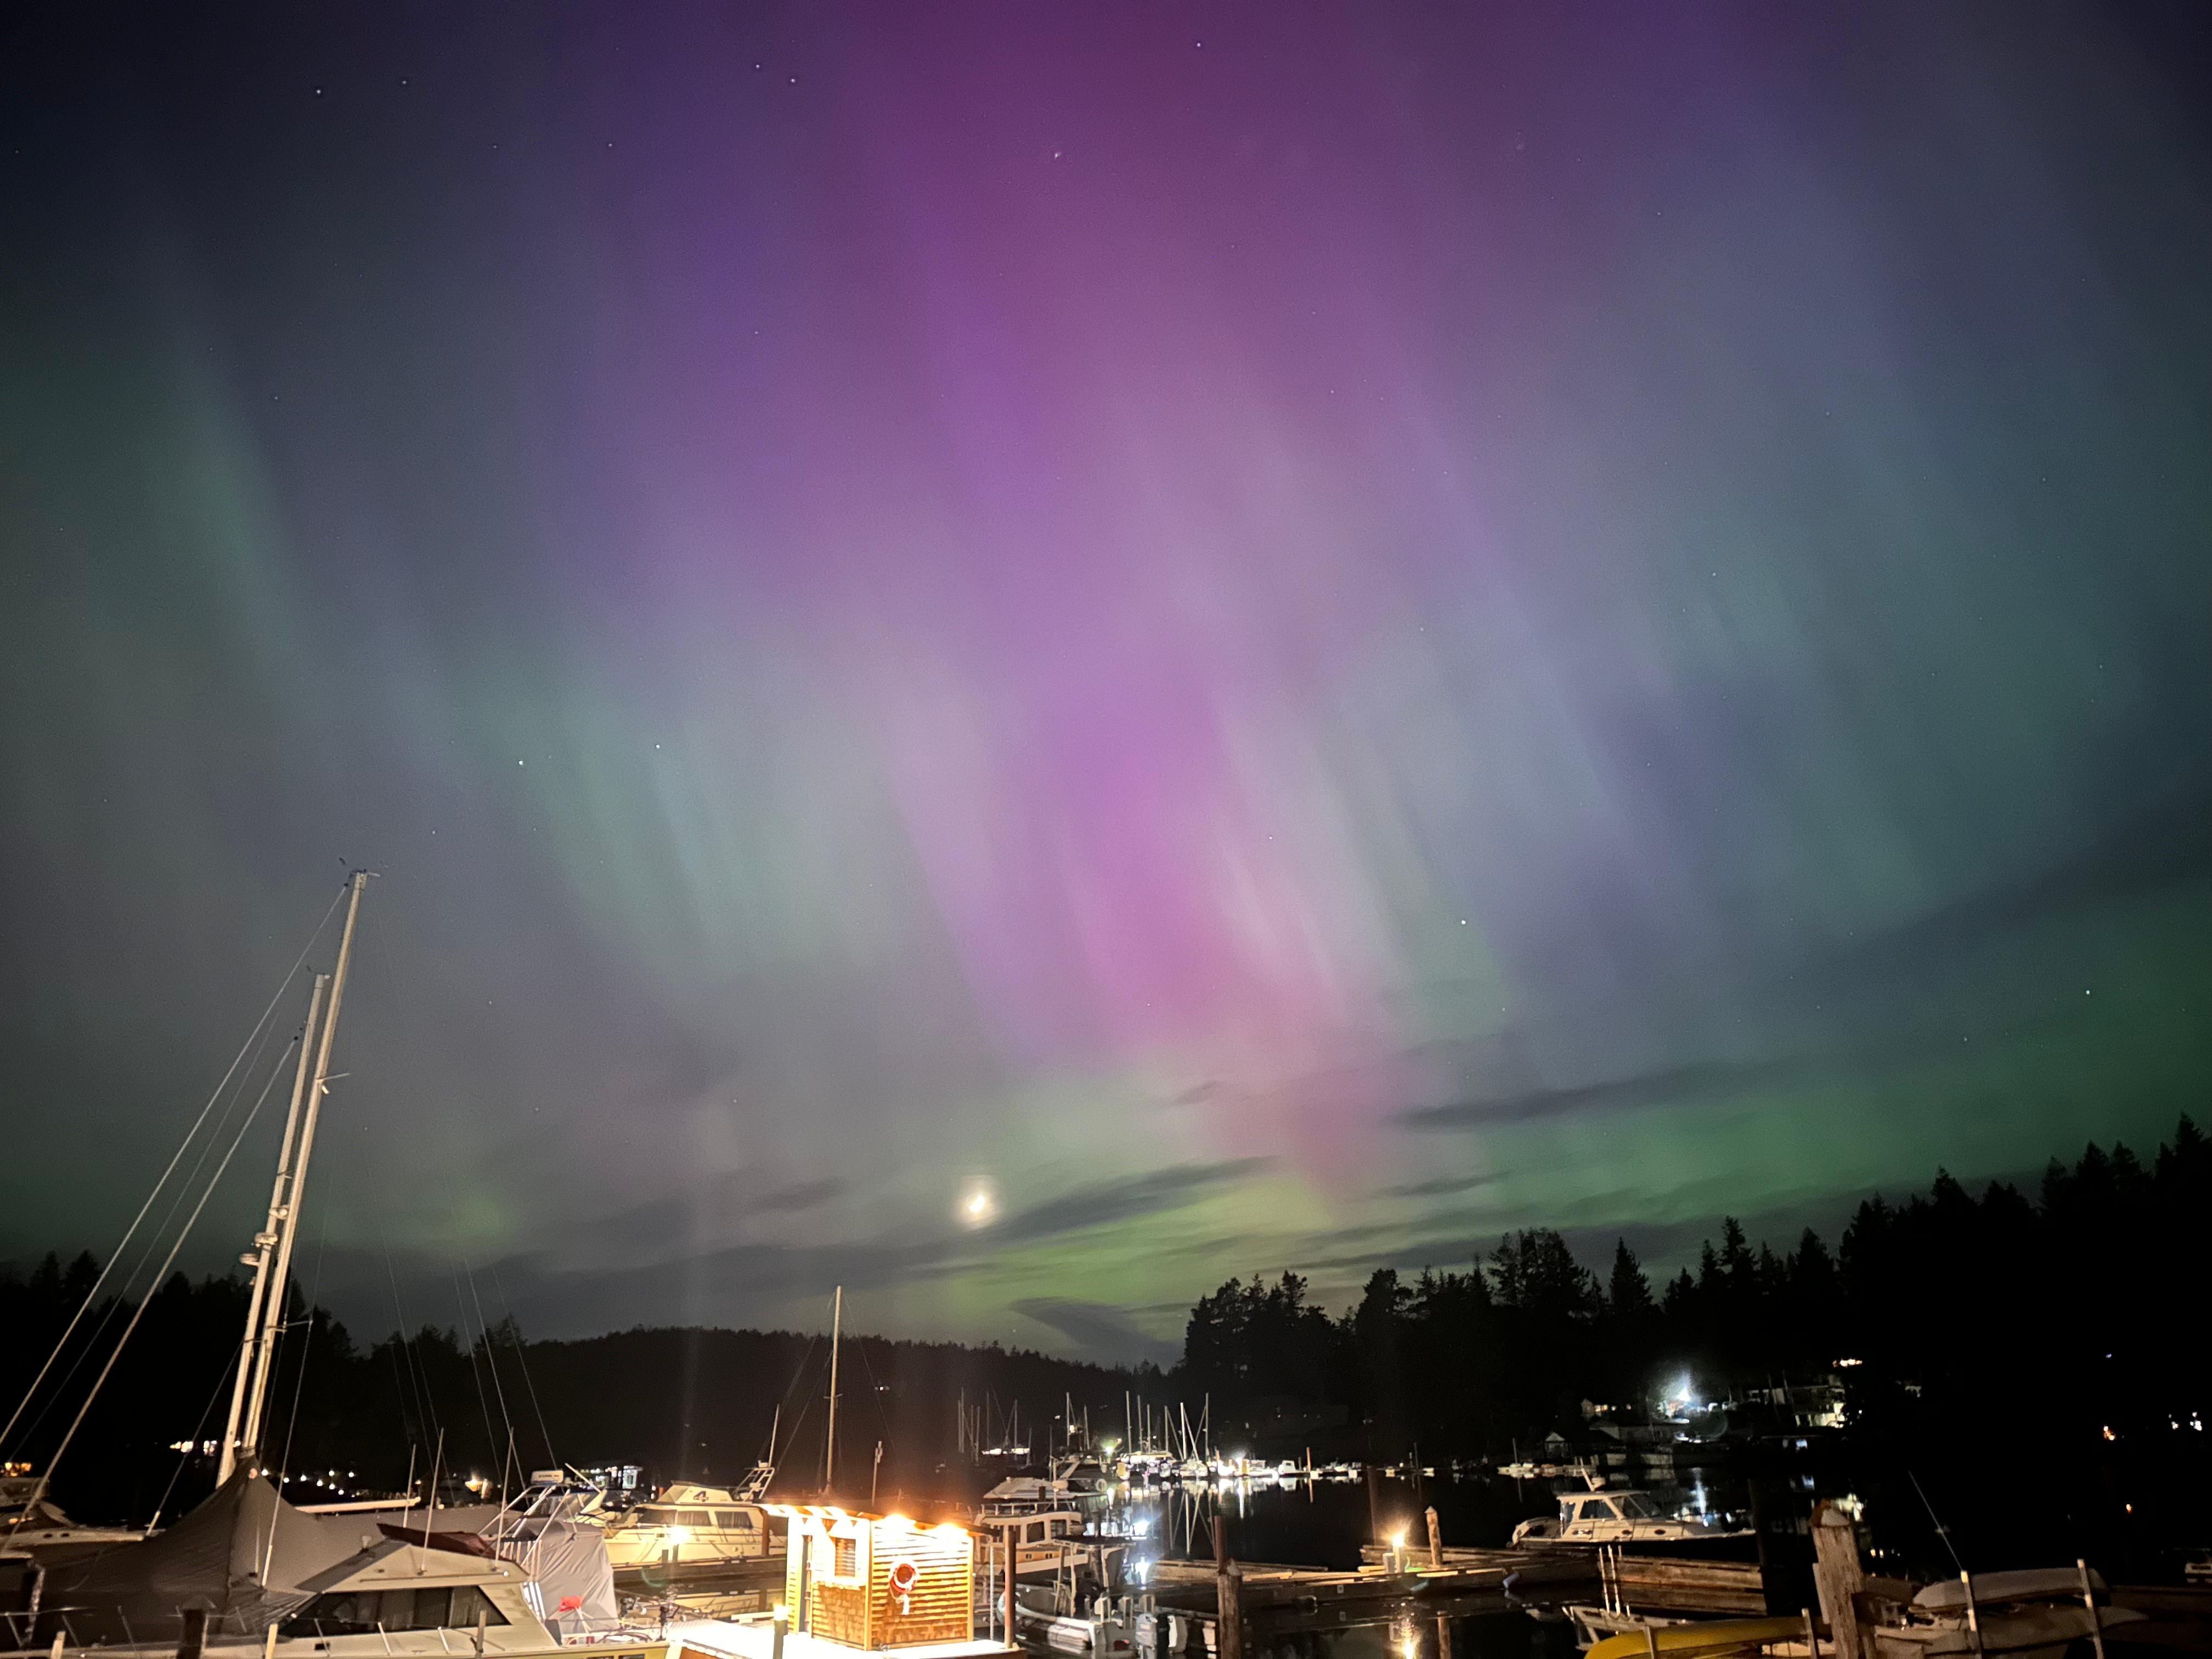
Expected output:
{"points": [[1098, 1330], [1700, 1080], [1441, 1186]]}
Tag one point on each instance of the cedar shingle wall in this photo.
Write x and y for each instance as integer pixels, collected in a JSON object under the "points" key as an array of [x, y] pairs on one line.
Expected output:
{"points": [[941, 1604], [841, 1613]]}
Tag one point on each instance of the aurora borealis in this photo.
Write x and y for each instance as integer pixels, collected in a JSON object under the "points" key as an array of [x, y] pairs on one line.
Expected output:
{"points": [[1285, 637]]}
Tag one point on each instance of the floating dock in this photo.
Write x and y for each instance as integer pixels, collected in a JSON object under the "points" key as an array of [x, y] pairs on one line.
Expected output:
{"points": [[1266, 1585]]}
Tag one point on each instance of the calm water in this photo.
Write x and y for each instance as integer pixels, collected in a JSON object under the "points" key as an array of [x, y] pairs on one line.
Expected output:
{"points": [[1325, 1524]]}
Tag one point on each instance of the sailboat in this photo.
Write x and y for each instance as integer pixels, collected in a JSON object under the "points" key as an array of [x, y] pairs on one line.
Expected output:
{"points": [[246, 1571]]}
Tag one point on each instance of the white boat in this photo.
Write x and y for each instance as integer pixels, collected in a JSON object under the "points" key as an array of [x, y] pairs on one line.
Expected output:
{"points": [[1070, 1624], [248, 1563], [689, 1525], [1599, 1517], [2037, 1613], [31, 1525]]}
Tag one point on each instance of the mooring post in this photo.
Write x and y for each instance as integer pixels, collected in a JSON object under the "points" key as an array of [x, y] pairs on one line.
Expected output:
{"points": [[192, 1640], [1228, 1597], [1436, 1539], [1837, 1574], [1374, 1508], [1974, 1613], [1230, 1586], [1443, 1637], [1812, 1635], [2089, 1601]]}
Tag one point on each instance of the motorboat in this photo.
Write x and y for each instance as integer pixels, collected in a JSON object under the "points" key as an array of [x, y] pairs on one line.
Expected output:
{"points": [[1601, 1517], [260, 1575], [31, 1524], [2038, 1612], [689, 1525], [1071, 1621]]}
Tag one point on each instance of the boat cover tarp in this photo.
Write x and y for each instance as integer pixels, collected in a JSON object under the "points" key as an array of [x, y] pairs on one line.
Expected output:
{"points": [[571, 1585], [240, 1557]]}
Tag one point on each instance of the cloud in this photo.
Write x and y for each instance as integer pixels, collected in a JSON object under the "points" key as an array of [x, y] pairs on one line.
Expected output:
{"points": [[1441, 1186], [801, 1195], [1098, 1330], [745, 1281], [1701, 1079], [1122, 1201]]}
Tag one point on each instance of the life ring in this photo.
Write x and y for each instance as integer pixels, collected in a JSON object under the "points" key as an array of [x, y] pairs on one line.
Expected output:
{"points": [[903, 1575]]}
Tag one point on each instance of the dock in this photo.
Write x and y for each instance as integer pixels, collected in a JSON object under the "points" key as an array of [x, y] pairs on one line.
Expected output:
{"points": [[757, 1639], [1266, 1585], [707, 1590]]}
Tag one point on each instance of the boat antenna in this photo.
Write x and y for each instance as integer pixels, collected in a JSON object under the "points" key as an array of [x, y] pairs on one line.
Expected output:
{"points": [[1941, 1531]]}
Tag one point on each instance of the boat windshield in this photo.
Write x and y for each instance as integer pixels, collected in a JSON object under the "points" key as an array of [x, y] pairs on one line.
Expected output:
{"points": [[1637, 1507]]}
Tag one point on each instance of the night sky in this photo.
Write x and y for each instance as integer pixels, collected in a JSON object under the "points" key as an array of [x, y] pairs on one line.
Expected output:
{"points": [[1276, 636]]}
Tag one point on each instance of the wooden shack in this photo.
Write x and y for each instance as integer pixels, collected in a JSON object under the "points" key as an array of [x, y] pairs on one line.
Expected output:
{"points": [[877, 1581]]}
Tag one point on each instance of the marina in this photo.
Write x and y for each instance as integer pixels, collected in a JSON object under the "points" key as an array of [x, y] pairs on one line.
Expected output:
{"points": [[1157, 1541]]}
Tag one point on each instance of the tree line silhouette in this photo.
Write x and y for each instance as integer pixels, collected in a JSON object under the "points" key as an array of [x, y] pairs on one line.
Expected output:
{"points": [[2069, 1303], [685, 1403], [2031, 1362], [2014, 1352]]}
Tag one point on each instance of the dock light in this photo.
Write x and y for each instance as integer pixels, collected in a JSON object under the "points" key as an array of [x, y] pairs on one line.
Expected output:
{"points": [[677, 1535]]}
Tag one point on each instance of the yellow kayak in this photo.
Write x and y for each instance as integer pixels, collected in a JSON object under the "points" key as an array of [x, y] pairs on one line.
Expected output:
{"points": [[1699, 1640]]}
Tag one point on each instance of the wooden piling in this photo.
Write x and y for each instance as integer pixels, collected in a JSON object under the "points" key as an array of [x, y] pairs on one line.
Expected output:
{"points": [[1374, 1509], [1229, 1586], [192, 1640], [1437, 1542], [1838, 1579]]}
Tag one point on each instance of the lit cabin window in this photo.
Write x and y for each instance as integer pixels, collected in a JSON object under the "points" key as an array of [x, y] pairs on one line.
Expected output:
{"points": [[848, 1558]]}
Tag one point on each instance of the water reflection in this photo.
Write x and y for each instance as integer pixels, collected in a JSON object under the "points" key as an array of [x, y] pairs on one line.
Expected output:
{"points": [[1324, 1523]]}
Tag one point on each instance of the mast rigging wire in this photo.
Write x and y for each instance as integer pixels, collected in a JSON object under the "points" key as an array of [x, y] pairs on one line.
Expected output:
{"points": [[307, 1347], [522, 1359], [117, 1303], [476, 1372], [426, 1407], [491, 1359], [123, 1244], [46, 1480]]}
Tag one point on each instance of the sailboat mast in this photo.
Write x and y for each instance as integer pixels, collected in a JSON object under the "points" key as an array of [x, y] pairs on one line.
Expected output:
{"points": [[267, 1341], [264, 1241], [829, 1439]]}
